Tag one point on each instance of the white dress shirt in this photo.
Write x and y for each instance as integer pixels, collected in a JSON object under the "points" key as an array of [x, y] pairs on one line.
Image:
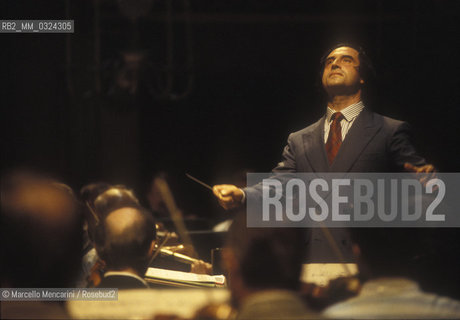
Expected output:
{"points": [[350, 114]]}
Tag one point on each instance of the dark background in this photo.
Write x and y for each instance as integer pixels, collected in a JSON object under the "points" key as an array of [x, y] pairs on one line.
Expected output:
{"points": [[253, 66]]}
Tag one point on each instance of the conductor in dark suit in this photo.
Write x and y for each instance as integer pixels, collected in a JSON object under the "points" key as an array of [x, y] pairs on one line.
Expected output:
{"points": [[349, 137], [129, 240]]}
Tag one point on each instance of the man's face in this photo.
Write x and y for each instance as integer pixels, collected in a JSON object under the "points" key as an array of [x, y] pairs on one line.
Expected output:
{"points": [[341, 72]]}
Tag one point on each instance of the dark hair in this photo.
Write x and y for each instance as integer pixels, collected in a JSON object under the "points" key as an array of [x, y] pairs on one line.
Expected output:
{"points": [[268, 257], [391, 251], [114, 198], [366, 68], [92, 190], [127, 246]]}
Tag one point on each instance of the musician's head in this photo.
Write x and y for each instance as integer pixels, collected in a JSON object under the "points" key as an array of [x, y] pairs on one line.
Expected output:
{"points": [[41, 232], [91, 191], [389, 252], [128, 235], [262, 258], [109, 199], [345, 69], [112, 198]]}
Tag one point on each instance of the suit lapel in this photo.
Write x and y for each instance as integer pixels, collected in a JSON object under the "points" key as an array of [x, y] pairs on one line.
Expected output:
{"points": [[314, 147], [359, 136]]}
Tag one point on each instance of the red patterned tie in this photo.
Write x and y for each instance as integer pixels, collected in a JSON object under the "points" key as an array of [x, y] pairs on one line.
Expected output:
{"points": [[334, 140]]}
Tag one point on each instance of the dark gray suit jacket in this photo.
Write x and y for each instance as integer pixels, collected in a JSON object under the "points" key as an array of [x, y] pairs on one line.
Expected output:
{"points": [[375, 143]]}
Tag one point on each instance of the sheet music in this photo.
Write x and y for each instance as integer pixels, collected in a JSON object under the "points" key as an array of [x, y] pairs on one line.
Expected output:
{"points": [[179, 276], [322, 273]]}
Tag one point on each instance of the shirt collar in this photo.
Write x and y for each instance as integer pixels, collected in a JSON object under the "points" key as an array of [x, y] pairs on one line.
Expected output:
{"points": [[388, 286], [125, 274], [349, 113]]}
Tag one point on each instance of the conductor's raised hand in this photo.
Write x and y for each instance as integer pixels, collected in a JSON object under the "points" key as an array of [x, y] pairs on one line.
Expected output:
{"points": [[423, 173], [229, 196]]}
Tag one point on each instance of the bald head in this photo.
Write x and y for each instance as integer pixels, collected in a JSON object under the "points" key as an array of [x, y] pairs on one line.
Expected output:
{"points": [[128, 236], [51, 203], [123, 221], [41, 232]]}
